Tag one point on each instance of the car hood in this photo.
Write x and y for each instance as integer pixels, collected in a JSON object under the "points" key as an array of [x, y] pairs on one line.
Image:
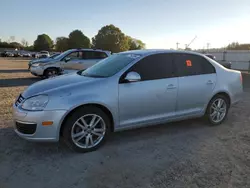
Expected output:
{"points": [[43, 60], [65, 82]]}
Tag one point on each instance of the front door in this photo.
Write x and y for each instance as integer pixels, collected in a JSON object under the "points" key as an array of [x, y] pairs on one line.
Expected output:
{"points": [[153, 98], [74, 62], [197, 79]]}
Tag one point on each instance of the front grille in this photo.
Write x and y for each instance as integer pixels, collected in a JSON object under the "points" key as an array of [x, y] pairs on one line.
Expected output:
{"points": [[19, 100], [26, 128]]}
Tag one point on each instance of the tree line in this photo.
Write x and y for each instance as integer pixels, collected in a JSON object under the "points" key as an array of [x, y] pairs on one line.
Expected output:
{"points": [[108, 37]]}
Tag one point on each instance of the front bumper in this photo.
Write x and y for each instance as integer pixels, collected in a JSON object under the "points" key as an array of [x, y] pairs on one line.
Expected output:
{"points": [[28, 124], [37, 71]]}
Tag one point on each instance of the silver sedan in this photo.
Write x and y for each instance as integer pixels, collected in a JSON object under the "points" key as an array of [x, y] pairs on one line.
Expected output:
{"points": [[126, 90]]}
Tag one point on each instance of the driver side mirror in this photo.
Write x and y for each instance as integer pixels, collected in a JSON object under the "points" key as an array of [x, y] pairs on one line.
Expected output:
{"points": [[67, 59], [132, 77]]}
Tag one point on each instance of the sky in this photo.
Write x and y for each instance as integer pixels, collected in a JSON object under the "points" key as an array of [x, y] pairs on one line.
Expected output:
{"points": [[158, 23]]}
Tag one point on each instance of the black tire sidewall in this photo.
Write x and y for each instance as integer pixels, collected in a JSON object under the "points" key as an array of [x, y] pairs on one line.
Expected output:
{"points": [[46, 75], [209, 107], [66, 132]]}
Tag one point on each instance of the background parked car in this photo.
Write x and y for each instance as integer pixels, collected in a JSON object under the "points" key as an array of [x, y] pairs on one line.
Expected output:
{"points": [[43, 60], [42, 54], [225, 64], [69, 61], [26, 54]]}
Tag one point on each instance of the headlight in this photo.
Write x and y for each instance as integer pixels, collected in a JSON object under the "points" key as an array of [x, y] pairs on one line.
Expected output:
{"points": [[36, 64], [36, 103]]}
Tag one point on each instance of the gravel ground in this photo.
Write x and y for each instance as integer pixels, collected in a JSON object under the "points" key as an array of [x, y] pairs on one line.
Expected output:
{"points": [[184, 154]]}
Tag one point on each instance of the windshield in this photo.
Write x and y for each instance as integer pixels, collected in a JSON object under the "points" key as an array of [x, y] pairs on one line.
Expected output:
{"points": [[110, 66], [54, 56], [62, 55]]}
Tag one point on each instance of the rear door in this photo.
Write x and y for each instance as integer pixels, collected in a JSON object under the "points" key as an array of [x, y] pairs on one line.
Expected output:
{"points": [[91, 57], [197, 79]]}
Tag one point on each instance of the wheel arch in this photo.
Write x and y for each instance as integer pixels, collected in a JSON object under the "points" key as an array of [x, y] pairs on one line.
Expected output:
{"points": [[58, 68], [223, 93], [101, 106]]}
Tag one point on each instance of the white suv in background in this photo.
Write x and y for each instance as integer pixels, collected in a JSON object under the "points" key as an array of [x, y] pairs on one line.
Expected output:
{"points": [[69, 61]]}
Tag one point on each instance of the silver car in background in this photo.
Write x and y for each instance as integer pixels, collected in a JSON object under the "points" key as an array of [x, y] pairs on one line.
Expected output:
{"points": [[68, 61], [126, 90]]}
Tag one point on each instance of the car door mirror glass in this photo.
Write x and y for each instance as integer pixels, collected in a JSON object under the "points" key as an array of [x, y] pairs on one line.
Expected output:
{"points": [[133, 77]]}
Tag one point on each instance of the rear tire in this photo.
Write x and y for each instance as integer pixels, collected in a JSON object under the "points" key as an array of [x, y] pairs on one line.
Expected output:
{"points": [[217, 110], [86, 129]]}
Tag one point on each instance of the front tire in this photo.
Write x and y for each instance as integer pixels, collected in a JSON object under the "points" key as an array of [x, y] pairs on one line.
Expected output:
{"points": [[86, 129], [217, 110], [51, 72]]}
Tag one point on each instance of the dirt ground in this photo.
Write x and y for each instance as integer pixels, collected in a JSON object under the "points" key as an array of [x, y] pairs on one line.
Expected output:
{"points": [[184, 154]]}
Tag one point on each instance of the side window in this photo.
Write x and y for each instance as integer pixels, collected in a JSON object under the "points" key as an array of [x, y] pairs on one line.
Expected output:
{"points": [[88, 55], [94, 55], [153, 67], [100, 55], [73, 55], [190, 65]]}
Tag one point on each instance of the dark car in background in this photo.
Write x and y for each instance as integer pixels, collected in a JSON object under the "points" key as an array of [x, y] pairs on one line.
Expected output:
{"points": [[224, 63]]}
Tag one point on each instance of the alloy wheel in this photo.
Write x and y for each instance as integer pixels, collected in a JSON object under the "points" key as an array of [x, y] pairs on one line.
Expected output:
{"points": [[218, 110], [88, 131]]}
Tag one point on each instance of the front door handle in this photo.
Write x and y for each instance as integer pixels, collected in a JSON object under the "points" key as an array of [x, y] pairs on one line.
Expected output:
{"points": [[209, 82], [171, 86]]}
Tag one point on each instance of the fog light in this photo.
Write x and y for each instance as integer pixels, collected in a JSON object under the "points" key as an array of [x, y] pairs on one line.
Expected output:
{"points": [[47, 123]]}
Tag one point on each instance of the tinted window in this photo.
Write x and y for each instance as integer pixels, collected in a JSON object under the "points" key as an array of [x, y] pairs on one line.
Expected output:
{"points": [[188, 65], [100, 55], [94, 55], [74, 55], [154, 67]]}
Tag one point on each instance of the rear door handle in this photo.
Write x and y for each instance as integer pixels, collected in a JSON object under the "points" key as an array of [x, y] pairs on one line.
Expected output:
{"points": [[171, 86], [209, 82]]}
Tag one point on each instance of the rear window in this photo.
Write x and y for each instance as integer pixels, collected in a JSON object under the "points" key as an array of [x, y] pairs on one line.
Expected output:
{"points": [[189, 65]]}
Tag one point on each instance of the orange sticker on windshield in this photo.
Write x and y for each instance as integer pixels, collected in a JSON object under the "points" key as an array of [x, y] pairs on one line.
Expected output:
{"points": [[189, 63]]}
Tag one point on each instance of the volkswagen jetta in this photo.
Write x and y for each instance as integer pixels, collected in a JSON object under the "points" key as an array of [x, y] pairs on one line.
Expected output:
{"points": [[126, 90]]}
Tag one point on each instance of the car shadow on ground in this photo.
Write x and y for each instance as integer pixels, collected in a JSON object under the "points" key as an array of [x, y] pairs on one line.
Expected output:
{"points": [[246, 81], [14, 71], [14, 82], [115, 140]]}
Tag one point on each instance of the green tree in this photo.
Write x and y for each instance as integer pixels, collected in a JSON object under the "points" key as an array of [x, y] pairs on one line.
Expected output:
{"points": [[15, 45], [62, 43], [237, 46], [111, 38], [78, 40], [135, 44], [43, 42]]}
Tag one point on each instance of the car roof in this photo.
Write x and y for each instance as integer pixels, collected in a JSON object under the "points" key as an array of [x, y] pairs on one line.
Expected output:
{"points": [[90, 49], [155, 51]]}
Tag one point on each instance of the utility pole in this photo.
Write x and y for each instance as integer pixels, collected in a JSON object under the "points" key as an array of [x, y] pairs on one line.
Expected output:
{"points": [[177, 45], [186, 46], [208, 44]]}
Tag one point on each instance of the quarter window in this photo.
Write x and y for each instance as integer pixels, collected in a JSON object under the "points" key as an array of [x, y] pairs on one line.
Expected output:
{"points": [[153, 67], [189, 65]]}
